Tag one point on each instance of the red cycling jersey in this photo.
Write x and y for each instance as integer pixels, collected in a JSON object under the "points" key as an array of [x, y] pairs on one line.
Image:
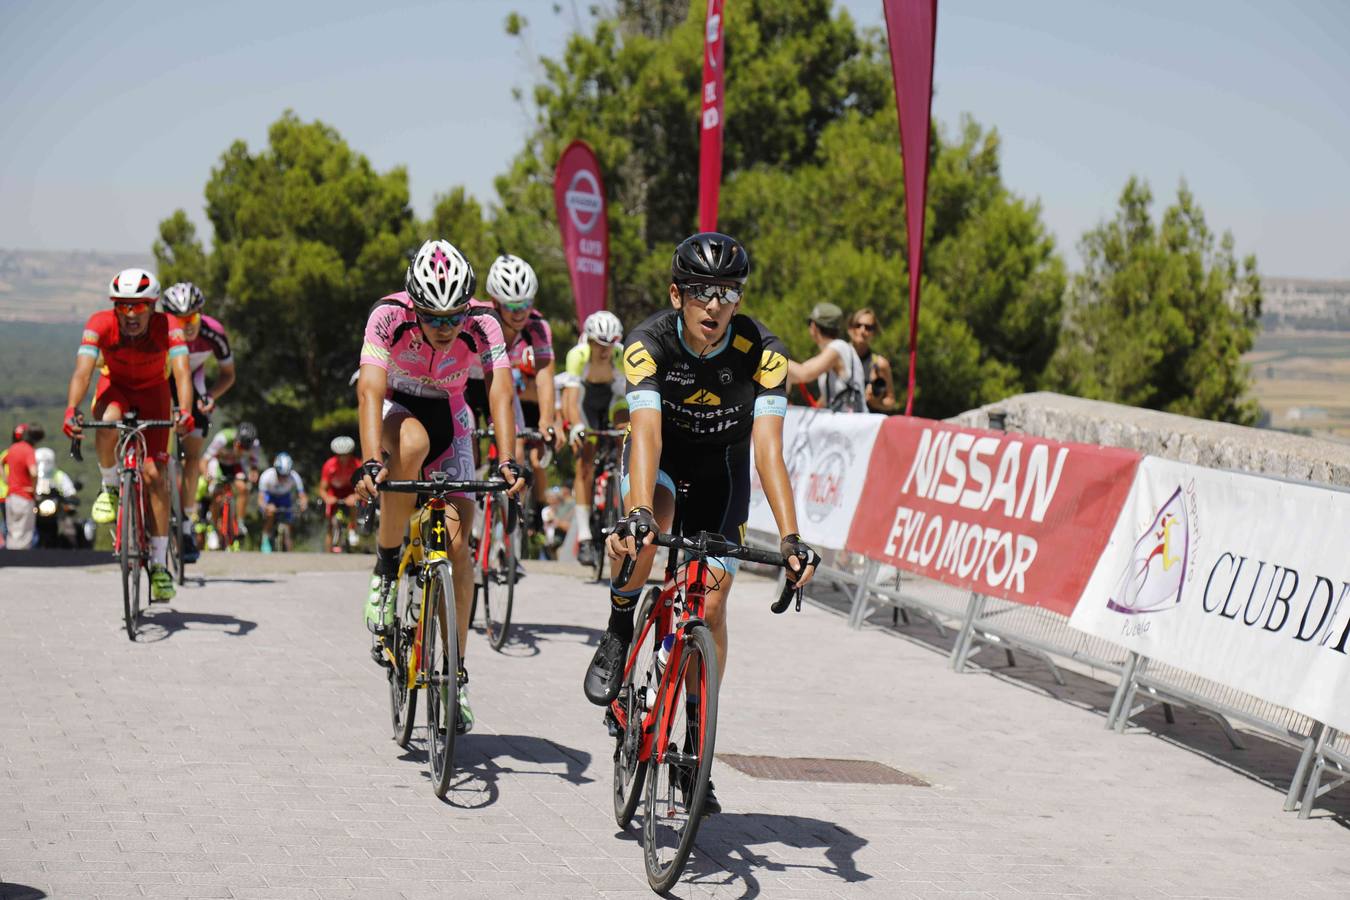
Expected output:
{"points": [[133, 363], [338, 475]]}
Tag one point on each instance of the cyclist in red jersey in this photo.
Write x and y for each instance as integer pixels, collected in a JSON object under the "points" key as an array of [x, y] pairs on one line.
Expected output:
{"points": [[335, 486], [139, 348]]}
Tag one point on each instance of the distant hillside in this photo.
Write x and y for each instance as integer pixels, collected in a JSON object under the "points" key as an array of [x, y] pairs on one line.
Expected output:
{"points": [[59, 285], [1305, 304]]}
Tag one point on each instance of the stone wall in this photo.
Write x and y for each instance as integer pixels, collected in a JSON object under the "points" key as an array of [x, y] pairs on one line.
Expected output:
{"points": [[1213, 444]]}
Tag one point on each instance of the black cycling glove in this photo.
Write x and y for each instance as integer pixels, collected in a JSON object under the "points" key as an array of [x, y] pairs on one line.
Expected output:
{"points": [[793, 545], [639, 522]]}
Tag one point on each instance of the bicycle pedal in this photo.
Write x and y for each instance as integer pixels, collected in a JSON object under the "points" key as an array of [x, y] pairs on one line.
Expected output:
{"points": [[612, 724]]}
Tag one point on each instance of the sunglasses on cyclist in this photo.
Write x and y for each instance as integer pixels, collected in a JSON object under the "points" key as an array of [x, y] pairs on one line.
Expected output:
{"points": [[130, 309], [189, 321], [517, 306], [454, 320], [869, 327], [706, 293]]}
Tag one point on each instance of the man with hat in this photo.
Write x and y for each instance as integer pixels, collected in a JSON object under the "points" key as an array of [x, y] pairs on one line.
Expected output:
{"points": [[839, 373]]}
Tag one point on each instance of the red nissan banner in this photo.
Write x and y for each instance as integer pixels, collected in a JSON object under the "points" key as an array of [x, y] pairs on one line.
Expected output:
{"points": [[579, 194], [1008, 515], [710, 130], [911, 29]]}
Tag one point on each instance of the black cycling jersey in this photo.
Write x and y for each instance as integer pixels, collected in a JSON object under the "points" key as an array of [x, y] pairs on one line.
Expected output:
{"points": [[707, 401]]}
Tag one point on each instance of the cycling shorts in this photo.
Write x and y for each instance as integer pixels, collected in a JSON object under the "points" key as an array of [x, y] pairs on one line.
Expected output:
{"points": [[529, 412], [719, 493], [451, 442], [597, 400], [149, 403], [283, 503], [201, 422]]}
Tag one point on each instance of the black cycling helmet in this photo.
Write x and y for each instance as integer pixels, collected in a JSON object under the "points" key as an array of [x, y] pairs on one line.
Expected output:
{"points": [[709, 256], [245, 434]]}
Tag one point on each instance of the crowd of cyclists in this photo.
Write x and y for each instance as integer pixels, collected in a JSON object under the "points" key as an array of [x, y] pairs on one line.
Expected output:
{"points": [[680, 396]]}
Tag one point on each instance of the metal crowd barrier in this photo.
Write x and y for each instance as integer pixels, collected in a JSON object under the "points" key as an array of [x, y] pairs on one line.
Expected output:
{"points": [[989, 622]]}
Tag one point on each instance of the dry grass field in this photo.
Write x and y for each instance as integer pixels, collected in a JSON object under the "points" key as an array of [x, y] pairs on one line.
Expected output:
{"points": [[1303, 380]]}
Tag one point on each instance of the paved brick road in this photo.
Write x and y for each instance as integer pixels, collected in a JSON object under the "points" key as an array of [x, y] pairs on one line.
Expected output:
{"points": [[241, 749]]}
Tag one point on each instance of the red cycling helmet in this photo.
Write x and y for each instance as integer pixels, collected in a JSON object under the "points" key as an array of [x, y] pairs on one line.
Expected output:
{"points": [[19, 431]]}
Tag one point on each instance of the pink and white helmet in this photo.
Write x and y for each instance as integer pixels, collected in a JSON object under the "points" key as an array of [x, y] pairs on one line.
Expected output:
{"points": [[136, 285], [440, 279]]}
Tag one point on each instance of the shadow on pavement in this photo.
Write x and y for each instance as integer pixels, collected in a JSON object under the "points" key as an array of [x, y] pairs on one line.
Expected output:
{"points": [[11, 891], [208, 580], [45, 558], [479, 764], [723, 856], [525, 637], [1264, 761], [159, 624]]}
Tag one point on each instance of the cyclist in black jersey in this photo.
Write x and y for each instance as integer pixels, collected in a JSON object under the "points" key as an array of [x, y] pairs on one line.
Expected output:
{"points": [[701, 380]]}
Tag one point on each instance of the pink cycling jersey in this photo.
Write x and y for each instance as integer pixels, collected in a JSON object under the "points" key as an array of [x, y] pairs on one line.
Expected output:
{"points": [[211, 340], [535, 336], [395, 343]]}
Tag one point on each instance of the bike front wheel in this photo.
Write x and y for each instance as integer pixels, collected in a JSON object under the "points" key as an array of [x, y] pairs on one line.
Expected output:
{"points": [[630, 770], [129, 554], [440, 669], [176, 566], [682, 756], [502, 559]]}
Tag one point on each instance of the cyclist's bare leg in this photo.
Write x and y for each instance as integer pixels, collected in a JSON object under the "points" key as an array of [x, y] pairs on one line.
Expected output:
{"points": [[585, 474], [715, 613], [269, 522], [240, 498], [406, 441], [157, 491], [192, 467], [540, 478], [459, 514], [105, 439]]}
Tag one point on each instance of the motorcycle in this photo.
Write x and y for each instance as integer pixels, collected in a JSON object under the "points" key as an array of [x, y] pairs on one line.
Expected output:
{"points": [[58, 519]]}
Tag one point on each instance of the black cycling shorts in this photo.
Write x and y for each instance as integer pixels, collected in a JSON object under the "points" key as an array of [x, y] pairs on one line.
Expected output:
{"points": [[201, 421], [434, 414], [719, 485], [596, 399], [476, 395], [530, 411]]}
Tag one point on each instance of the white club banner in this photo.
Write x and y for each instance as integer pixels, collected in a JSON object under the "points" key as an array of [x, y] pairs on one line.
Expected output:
{"points": [[827, 456], [1236, 578]]}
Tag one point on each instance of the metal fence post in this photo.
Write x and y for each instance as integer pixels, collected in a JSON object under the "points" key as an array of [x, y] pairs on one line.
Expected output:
{"points": [[1126, 679], [974, 609], [1132, 687], [858, 614], [1304, 760]]}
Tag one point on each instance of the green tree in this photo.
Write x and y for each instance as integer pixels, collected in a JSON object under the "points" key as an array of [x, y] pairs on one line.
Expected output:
{"points": [[812, 183], [1161, 314], [307, 236]]}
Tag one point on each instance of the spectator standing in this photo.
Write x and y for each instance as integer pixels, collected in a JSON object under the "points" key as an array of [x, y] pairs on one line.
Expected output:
{"points": [[880, 386], [837, 370], [21, 463]]}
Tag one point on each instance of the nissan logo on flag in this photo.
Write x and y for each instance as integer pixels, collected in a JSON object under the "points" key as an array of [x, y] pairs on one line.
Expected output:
{"points": [[583, 200]]}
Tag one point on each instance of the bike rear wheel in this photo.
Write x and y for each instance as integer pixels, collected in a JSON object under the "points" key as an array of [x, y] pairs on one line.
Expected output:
{"points": [[502, 559], [630, 771], [440, 667], [176, 565], [677, 777], [402, 681], [129, 553]]}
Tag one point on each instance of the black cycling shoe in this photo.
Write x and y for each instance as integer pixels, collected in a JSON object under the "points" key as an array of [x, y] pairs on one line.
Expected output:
{"points": [[606, 670], [189, 550], [586, 554]]}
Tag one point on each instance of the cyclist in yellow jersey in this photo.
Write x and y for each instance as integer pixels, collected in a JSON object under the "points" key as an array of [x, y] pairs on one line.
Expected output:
{"points": [[592, 397]]}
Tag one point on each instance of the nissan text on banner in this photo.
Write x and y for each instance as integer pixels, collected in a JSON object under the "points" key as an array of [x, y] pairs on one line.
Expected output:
{"points": [[911, 30], [710, 124], [826, 455], [1008, 515], [579, 194], [1236, 578]]}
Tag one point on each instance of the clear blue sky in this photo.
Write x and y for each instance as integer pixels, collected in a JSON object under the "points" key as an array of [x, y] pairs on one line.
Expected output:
{"points": [[115, 112]]}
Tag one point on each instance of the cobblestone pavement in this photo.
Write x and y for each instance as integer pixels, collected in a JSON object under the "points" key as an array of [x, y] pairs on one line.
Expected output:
{"points": [[241, 749]]}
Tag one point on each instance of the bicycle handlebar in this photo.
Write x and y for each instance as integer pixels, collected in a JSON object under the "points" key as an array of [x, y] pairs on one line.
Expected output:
{"points": [[439, 487], [77, 453], [708, 544]]}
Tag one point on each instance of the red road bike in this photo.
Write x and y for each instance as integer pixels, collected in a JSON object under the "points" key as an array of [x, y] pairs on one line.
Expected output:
{"points": [[130, 542]]}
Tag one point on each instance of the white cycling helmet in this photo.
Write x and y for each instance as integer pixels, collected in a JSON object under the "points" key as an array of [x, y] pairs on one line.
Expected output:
{"points": [[134, 284], [283, 464], [182, 299], [440, 279], [603, 327], [342, 445], [511, 280]]}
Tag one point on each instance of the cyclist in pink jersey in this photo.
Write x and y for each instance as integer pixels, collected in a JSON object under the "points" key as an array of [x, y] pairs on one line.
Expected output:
{"points": [[415, 360], [206, 338]]}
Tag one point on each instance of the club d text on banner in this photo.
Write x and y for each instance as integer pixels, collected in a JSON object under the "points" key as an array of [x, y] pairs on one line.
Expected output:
{"points": [[1236, 578], [583, 219], [1008, 515], [911, 30], [710, 122]]}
